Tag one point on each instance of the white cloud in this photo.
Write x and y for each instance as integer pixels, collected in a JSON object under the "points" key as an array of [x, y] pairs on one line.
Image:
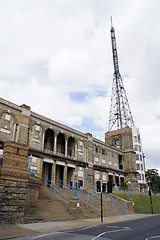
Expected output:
{"points": [[52, 48]]}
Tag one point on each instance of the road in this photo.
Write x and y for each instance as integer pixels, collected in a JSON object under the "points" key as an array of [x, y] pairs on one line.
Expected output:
{"points": [[141, 229]]}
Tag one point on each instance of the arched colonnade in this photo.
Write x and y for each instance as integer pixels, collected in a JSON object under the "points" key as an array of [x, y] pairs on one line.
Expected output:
{"points": [[60, 144]]}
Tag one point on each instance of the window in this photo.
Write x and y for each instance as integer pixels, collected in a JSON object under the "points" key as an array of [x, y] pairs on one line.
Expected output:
{"points": [[142, 167], [120, 162], [135, 139], [139, 139], [137, 157], [143, 177], [96, 149], [116, 141], [103, 151], [140, 148], [136, 147], [138, 166], [139, 176], [140, 157]]}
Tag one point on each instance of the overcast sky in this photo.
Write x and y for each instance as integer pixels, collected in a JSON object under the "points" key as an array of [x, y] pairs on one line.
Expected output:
{"points": [[55, 56]]}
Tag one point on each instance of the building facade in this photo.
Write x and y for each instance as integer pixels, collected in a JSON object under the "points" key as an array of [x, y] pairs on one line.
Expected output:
{"points": [[140, 158], [55, 150], [128, 139]]}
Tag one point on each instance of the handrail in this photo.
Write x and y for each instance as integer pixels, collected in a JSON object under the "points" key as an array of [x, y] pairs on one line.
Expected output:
{"points": [[54, 186], [113, 202], [94, 201], [87, 197]]}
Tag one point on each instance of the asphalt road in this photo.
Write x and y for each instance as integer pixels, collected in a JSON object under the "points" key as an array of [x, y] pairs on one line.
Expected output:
{"points": [[141, 229]]}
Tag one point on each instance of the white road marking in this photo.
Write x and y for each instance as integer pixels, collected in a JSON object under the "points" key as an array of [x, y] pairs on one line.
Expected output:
{"points": [[152, 237], [112, 231], [43, 235], [98, 236]]}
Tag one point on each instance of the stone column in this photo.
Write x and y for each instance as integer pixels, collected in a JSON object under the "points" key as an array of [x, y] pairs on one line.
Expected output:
{"points": [[55, 144], [65, 175], [41, 166], [53, 179], [90, 174], [76, 147], [43, 141], [66, 147], [22, 133], [119, 180]]}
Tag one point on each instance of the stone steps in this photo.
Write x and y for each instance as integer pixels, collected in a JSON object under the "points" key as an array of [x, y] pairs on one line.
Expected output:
{"points": [[48, 209]]}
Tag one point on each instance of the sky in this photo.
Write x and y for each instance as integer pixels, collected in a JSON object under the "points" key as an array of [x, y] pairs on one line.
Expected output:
{"points": [[56, 57]]}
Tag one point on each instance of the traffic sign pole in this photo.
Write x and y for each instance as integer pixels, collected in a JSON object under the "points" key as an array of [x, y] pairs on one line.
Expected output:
{"points": [[101, 209]]}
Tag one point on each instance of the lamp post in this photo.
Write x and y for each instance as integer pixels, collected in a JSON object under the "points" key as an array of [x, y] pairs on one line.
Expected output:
{"points": [[149, 191], [130, 196], [135, 183], [86, 174], [75, 185], [1, 159], [115, 180]]}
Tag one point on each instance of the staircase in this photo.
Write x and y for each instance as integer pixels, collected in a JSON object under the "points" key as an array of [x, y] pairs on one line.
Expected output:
{"points": [[47, 209], [53, 205]]}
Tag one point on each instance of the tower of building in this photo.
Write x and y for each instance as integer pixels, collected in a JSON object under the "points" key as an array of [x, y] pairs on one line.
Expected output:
{"points": [[122, 132]]}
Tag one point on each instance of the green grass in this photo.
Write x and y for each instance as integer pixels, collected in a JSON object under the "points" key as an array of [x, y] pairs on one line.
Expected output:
{"points": [[142, 203]]}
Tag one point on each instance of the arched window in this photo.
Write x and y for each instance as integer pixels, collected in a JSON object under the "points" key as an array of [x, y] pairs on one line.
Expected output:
{"points": [[49, 140], [61, 143], [71, 146]]}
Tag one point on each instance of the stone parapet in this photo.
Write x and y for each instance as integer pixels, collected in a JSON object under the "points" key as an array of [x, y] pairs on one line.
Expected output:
{"points": [[33, 190]]}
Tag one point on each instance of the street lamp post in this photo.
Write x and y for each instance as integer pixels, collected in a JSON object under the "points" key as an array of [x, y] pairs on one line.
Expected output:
{"points": [[115, 180], [75, 185], [1, 159], [130, 196], [86, 174], [149, 191]]}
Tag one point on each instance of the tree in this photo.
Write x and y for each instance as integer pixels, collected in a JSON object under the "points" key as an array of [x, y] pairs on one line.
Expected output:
{"points": [[153, 176], [124, 187]]}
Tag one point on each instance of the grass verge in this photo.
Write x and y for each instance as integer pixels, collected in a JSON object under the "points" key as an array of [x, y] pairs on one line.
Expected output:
{"points": [[142, 203]]}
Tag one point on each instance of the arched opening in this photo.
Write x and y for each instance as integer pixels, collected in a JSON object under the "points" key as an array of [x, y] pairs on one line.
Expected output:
{"points": [[49, 140], [120, 161], [61, 143], [71, 147]]}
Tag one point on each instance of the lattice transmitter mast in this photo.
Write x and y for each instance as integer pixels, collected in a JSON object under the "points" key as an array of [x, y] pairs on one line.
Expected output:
{"points": [[120, 113]]}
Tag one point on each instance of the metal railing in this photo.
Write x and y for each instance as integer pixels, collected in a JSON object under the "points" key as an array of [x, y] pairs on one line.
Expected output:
{"points": [[89, 198], [57, 191], [58, 154]]}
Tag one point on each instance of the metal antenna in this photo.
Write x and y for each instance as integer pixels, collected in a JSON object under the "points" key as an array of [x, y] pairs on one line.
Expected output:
{"points": [[120, 113], [111, 21]]}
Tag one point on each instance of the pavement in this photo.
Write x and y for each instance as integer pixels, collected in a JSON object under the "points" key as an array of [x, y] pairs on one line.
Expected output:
{"points": [[23, 230]]}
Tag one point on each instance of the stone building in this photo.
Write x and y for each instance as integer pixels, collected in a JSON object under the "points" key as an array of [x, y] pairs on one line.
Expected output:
{"points": [[128, 139], [55, 150]]}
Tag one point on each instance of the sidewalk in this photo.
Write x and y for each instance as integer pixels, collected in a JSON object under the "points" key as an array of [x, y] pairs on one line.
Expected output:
{"points": [[22, 230]]}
